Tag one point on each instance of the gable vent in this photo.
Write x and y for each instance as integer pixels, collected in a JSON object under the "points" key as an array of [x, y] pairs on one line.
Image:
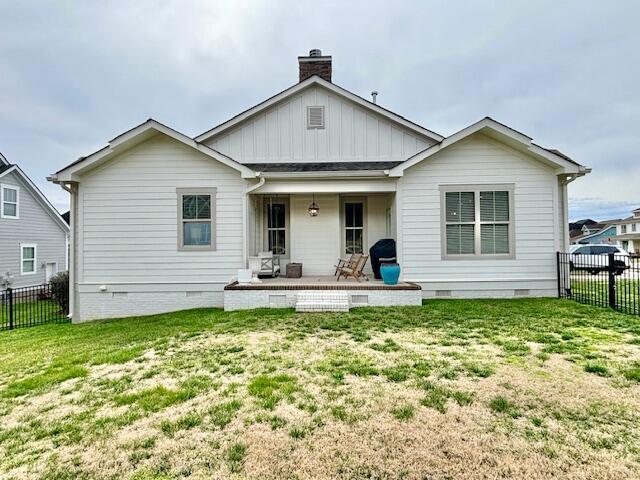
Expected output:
{"points": [[315, 117]]}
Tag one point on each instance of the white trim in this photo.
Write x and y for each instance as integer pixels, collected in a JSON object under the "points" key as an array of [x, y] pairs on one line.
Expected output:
{"points": [[16, 188], [501, 133], [137, 135], [316, 80], [3, 160], [8, 170], [480, 280], [35, 258]]}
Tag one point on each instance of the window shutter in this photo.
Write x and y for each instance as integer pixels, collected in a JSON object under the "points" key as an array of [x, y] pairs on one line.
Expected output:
{"points": [[315, 117]]}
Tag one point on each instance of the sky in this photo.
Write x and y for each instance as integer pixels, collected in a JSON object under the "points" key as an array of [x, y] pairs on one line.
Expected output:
{"points": [[74, 74]]}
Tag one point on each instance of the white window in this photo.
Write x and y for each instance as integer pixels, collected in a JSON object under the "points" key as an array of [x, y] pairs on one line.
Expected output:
{"points": [[9, 196], [477, 221], [623, 229], [354, 226], [633, 227], [196, 218], [276, 214], [28, 258], [315, 117]]}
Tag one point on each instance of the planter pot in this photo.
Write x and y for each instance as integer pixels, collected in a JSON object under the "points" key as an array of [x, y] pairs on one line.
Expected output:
{"points": [[390, 273]]}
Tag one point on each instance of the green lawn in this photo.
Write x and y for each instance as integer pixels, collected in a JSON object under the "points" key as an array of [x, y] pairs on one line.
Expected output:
{"points": [[531, 388], [594, 290]]}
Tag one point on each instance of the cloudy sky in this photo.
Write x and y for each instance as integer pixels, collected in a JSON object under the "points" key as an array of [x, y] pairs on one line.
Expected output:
{"points": [[567, 73]]}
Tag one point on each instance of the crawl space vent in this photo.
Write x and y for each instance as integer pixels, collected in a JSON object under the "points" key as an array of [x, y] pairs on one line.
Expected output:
{"points": [[315, 117], [277, 301], [360, 300], [522, 292], [443, 293]]}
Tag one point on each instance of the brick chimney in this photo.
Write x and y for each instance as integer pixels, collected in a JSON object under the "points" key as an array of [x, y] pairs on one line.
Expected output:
{"points": [[315, 64]]}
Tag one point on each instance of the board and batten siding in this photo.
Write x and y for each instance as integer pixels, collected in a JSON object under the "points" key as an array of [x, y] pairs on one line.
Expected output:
{"points": [[352, 133], [35, 226], [127, 224], [475, 161]]}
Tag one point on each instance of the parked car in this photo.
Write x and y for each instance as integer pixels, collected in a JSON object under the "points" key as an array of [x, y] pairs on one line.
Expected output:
{"points": [[595, 258]]}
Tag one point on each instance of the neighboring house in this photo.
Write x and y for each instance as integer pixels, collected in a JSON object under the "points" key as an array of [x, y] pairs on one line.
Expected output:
{"points": [[579, 228], [161, 221], [33, 235], [628, 232], [597, 233]]}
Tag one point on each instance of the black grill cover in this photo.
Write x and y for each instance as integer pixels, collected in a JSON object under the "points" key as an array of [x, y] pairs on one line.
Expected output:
{"points": [[385, 249]]}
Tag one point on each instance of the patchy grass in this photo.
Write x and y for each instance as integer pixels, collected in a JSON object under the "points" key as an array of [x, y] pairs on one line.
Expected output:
{"points": [[274, 394]]}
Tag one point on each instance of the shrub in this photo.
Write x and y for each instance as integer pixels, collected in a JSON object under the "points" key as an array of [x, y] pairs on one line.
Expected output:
{"points": [[60, 289]]}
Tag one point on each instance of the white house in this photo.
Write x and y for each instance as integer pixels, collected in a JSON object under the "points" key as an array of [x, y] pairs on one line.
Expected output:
{"points": [[33, 235], [162, 221], [628, 232]]}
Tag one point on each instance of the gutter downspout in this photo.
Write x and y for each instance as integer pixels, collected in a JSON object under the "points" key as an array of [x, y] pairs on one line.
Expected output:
{"points": [[72, 189]]}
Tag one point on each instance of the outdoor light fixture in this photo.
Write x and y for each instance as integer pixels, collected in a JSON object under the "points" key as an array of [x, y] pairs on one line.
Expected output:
{"points": [[313, 208]]}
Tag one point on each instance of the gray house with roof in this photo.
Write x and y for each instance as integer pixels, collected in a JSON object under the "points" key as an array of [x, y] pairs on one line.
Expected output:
{"points": [[34, 238]]}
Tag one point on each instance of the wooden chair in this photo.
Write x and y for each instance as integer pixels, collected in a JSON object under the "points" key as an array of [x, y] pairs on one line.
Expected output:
{"points": [[355, 270], [344, 262]]}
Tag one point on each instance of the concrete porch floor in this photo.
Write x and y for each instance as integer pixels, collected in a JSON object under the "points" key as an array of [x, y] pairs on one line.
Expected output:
{"points": [[320, 282]]}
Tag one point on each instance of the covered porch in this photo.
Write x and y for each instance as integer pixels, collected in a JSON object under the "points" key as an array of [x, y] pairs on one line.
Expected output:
{"points": [[315, 222]]}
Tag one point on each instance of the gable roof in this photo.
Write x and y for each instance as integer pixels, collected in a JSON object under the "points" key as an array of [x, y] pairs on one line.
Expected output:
{"points": [[316, 80], [35, 191], [504, 134], [137, 135]]}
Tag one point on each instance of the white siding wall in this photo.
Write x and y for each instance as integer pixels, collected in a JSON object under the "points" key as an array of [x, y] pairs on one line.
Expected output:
{"points": [[127, 221], [35, 225], [480, 160], [352, 133], [315, 241]]}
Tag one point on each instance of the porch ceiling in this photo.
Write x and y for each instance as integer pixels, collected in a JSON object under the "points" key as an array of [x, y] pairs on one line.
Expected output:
{"points": [[352, 185]]}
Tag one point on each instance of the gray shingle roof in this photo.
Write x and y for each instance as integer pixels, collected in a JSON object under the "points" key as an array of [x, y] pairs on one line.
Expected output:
{"points": [[5, 167], [321, 167]]}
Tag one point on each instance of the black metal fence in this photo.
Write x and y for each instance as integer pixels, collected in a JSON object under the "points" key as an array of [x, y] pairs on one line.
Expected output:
{"points": [[609, 280], [30, 306]]}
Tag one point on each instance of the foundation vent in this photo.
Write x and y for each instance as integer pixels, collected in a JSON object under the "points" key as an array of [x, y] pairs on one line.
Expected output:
{"points": [[521, 292], [277, 301], [194, 294], [443, 293], [120, 294], [359, 300]]}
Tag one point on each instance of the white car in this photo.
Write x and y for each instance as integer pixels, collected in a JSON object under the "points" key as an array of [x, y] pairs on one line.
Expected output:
{"points": [[595, 258]]}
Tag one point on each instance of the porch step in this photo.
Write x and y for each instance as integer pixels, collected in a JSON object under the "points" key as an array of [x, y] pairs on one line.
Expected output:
{"points": [[322, 302]]}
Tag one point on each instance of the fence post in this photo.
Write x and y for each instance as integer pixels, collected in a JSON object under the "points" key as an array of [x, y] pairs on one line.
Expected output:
{"points": [[559, 272], [10, 302], [612, 281]]}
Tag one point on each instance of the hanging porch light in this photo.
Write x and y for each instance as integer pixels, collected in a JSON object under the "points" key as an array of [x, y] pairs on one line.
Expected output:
{"points": [[313, 208]]}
